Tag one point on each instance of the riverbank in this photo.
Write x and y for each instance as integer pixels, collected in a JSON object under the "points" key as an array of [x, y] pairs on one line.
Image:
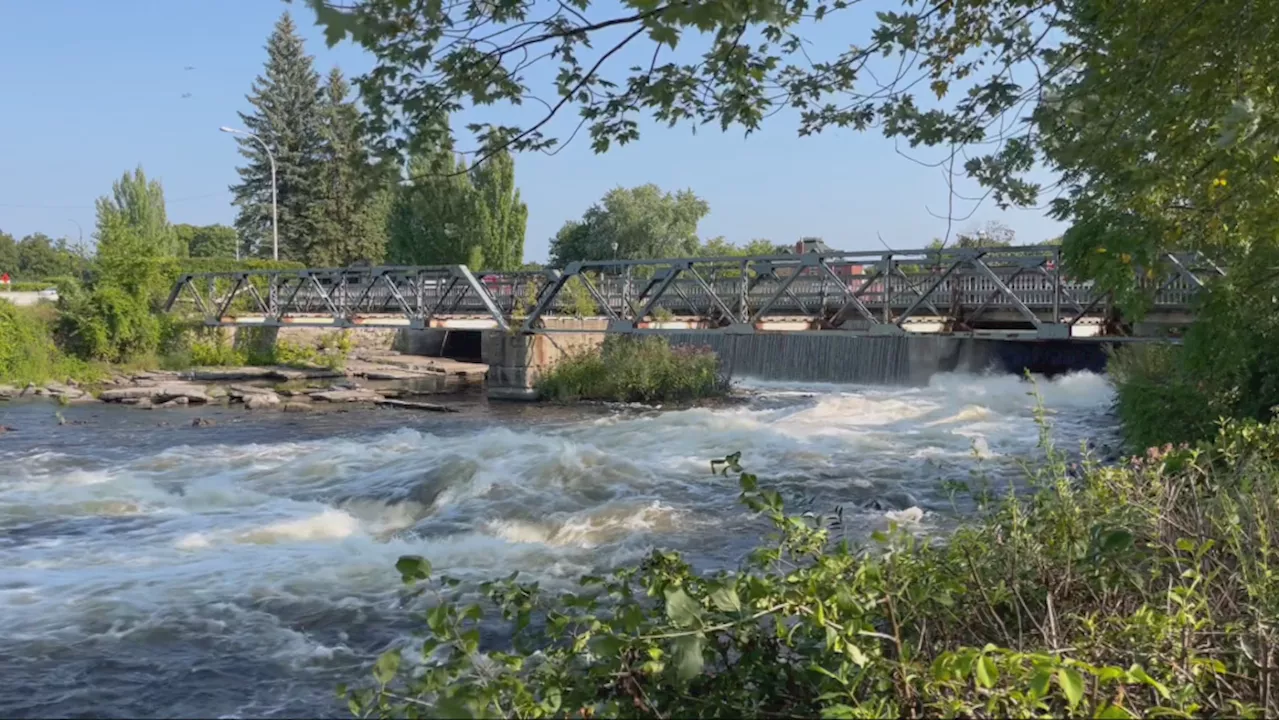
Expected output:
{"points": [[382, 378]]}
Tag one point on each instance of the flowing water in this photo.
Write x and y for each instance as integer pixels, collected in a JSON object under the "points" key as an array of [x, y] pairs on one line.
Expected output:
{"points": [[149, 568]]}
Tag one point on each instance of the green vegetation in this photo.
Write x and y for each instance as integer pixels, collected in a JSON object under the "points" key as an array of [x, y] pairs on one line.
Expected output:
{"points": [[626, 369], [1147, 589], [1226, 367], [449, 213], [37, 256], [28, 353]]}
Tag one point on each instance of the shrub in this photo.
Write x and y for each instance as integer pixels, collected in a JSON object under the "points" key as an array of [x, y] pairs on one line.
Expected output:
{"points": [[627, 369], [1227, 366], [27, 350], [108, 324], [1148, 588], [211, 348]]}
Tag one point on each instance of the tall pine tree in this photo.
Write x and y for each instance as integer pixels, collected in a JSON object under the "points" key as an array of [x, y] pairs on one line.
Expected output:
{"points": [[288, 116], [349, 221], [502, 217]]}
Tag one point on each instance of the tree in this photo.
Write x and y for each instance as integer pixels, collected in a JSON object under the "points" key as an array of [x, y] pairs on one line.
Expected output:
{"points": [[633, 223], [8, 254], [432, 219], [720, 247], [502, 215], [214, 241], [132, 220], [349, 220], [994, 234], [288, 117]]}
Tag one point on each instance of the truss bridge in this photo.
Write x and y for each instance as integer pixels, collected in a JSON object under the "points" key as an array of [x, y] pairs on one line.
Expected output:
{"points": [[1020, 293]]}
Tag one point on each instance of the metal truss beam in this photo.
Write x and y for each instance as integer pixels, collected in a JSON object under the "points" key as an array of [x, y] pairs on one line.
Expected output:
{"points": [[883, 292]]}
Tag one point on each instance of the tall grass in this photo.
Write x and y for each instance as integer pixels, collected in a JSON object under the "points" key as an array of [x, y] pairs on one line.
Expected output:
{"points": [[626, 369]]}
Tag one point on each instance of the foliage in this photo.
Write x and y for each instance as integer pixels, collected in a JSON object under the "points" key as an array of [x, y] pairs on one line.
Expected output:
{"points": [[110, 323], [626, 369], [212, 348], [27, 350], [1226, 367], [132, 220], [1161, 135], [502, 215], [433, 218], [350, 218], [451, 214], [720, 247], [633, 223], [26, 286], [992, 235], [38, 256], [211, 241], [288, 116], [1144, 589]]}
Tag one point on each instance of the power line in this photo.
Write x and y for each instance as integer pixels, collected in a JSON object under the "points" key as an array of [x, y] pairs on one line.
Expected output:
{"points": [[92, 207]]}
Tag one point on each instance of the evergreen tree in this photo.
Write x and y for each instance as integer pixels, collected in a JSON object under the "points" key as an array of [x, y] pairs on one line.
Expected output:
{"points": [[350, 220], [288, 117], [214, 241], [502, 217]]}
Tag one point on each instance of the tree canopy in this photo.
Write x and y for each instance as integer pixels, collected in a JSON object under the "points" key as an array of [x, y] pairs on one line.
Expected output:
{"points": [[1158, 118], [633, 223]]}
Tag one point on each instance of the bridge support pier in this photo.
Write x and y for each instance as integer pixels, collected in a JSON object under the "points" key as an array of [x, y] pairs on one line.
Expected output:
{"points": [[515, 360]]}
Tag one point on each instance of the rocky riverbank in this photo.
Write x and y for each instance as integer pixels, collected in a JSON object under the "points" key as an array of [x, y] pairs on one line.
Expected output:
{"points": [[387, 379]]}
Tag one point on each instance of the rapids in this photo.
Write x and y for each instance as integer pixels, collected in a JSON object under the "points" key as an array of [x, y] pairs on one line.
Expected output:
{"points": [[149, 568]]}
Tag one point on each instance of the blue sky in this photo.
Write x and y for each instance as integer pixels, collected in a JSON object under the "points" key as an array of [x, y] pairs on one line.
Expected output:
{"points": [[94, 88]]}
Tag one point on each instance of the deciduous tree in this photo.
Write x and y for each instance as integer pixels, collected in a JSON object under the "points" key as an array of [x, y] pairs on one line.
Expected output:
{"points": [[633, 223]]}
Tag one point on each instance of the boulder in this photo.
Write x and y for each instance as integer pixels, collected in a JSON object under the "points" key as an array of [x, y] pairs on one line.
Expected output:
{"points": [[171, 391], [259, 401], [180, 401], [8, 391], [295, 406], [240, 392]]}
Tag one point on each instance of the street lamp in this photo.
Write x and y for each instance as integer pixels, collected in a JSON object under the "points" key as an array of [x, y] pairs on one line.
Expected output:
{"points": [[275, 222]]}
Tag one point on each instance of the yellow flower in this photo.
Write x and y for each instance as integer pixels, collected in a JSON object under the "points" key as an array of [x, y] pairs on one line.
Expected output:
{"points": [[1220, 182], [1125, 258]]}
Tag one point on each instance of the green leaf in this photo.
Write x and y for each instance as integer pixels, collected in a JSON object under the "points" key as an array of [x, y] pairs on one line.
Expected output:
{"points": [[606, 646], [1138, 674], [682, 609], [1116, 541], [1072, 686], [1040, 683], [552, 699], [1113, 711], [986, 672], [688, 656], [837, 711], [726, 599], [856, 656], [413, 568], [452, 707], [384, 670]]}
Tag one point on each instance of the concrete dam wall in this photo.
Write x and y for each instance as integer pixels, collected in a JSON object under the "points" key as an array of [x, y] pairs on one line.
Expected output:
{"points": [[891, 360]]}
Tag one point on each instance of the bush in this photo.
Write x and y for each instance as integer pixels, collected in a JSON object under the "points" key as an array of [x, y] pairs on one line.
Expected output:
{"points": [[108, 324], [26, 286], [27, 350], [211, 348], [1227, 366], [1149, 588], [627, 369]]}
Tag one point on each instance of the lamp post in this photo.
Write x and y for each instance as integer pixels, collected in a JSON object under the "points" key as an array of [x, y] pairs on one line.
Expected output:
{"points": [[275, 223]]}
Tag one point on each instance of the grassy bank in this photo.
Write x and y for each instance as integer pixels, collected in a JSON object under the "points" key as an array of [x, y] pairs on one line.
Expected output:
{"points": [[626, 369], [1149, 588]]}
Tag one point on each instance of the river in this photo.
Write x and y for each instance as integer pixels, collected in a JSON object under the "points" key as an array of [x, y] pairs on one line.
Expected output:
{"points": [[149, 568]]}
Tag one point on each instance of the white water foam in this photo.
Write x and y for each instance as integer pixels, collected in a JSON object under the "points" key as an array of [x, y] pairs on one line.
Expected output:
{"points": [[266, 544]]}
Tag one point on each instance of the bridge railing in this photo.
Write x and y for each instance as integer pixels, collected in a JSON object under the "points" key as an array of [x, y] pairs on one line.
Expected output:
{"points": [[828, 290]]}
